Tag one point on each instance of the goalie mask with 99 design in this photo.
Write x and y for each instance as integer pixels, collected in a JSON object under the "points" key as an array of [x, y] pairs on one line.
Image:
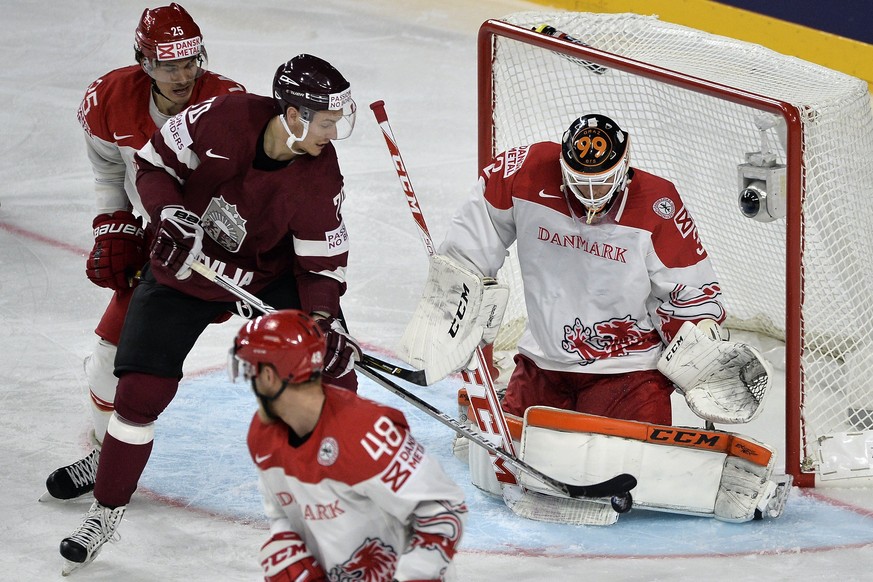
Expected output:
{"points": [[595, 158]]}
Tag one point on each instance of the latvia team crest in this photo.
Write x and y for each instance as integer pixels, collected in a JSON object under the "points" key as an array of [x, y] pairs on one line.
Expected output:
{"points": [[224, 225]]}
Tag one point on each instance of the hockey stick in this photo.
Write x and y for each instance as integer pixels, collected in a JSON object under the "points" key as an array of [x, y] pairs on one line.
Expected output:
{"points": [[411, 376], [550, 30], [617, 488], [480, 387]]}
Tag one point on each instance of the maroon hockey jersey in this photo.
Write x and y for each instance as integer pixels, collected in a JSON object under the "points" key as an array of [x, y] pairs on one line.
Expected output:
{"points": [[258, 223]]}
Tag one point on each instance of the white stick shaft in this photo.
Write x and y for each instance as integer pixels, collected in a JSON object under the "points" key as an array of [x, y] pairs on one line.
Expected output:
{"points": [[231, 287], [478, 381]]}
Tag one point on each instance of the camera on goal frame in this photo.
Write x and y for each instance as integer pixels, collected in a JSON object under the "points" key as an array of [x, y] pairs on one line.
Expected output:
{"points": [[762, 187]]}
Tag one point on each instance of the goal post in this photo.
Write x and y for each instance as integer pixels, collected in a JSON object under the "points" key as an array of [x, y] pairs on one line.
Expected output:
{"points": [[718, 116]]}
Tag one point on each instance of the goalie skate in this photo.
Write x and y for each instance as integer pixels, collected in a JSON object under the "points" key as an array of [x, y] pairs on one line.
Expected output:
{"points": [[73, 480], [98, 527], [773, 504]]}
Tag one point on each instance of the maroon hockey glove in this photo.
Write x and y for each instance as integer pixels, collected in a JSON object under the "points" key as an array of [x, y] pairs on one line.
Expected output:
{"points": [[342, 349], [285, 558], [178, 241], [119, 250]]}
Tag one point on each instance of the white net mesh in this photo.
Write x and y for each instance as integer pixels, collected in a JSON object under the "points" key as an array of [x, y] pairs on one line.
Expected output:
{"points": [[697, 141]]}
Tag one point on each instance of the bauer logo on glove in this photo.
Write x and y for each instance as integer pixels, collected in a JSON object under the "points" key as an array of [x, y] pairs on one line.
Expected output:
{"points": [[119, 250]]}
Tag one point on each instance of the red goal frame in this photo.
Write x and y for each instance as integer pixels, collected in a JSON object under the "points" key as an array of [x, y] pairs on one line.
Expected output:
{"points": [[794, 346]]}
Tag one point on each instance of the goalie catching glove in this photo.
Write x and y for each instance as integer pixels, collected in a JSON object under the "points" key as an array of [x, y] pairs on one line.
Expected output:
{"points": [[458, 310], [722, 381], [119, 250], [285, 558]]}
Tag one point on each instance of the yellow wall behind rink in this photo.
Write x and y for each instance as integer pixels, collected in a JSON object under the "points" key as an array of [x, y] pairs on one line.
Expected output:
{"points": [[829, 50]]}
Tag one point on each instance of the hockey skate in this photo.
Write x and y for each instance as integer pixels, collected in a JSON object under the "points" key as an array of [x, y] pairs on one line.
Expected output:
{"points": [[97, 528], [773, 503], [73, 480]]}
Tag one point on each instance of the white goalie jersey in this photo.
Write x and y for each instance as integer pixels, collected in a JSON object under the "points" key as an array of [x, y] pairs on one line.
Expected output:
{"points": [[603, 297]]}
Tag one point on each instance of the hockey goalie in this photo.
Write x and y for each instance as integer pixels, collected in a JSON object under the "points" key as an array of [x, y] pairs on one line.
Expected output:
{"points": [[623, 309]]}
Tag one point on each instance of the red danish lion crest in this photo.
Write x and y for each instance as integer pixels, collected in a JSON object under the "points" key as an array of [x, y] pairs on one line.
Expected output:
{"points": [[373, 561], [608, 339], [440, 533]]}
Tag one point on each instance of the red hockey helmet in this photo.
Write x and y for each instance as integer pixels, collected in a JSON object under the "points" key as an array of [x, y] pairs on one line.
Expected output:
{"points": [[289, 340], [168, 33], [310, 84]]}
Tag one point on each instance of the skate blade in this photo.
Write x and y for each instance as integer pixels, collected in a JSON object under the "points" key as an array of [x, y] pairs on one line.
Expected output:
{"points": [[776, 505], [46, 496], [70, 567]]}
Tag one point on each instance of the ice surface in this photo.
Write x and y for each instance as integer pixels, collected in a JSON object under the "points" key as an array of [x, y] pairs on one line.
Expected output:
{"points": [[196, 516]]}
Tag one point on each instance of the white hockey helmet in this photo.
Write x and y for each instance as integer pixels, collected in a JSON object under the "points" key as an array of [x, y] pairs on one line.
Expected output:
{"points": [[595, 159]]}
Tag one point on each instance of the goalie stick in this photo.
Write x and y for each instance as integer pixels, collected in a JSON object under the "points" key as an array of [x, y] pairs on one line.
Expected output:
{"points": [[617, 488], [550, 30], [480, 387]]}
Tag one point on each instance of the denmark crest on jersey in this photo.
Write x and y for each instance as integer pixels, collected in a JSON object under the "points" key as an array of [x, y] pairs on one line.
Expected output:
{"points": [[328, 452], [224, 225]]}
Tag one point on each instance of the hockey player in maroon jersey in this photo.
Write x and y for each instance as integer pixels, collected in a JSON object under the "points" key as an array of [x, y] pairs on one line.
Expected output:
{"points": [[120, 112], [350, 493], [622, 300], [250, 185]]}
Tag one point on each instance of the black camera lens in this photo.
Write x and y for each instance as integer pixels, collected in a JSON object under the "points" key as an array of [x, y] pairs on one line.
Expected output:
{"points": [[750, 202]]}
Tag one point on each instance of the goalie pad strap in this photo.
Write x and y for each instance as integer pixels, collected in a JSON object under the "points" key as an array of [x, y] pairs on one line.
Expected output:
{"points": [[457, 310], [708, 440]]}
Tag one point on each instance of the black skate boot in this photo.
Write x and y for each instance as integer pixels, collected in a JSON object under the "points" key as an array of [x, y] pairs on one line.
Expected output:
{"points": [[97, 528], [74, 480]]}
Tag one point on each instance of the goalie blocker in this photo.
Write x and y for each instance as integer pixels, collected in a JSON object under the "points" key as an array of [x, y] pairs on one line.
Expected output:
{"points": [[691, 471], [458, 310]]}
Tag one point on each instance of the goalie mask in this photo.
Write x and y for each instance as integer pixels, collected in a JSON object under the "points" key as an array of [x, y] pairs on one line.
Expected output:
{"points": [[310, 84], [595, 159], [169, 45]]}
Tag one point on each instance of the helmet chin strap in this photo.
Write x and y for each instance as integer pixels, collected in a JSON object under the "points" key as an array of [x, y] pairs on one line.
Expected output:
{"points": [[293, 139], [592, 211], [157, 90]]}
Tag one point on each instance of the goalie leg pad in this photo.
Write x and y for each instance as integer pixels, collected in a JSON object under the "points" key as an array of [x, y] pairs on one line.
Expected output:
{"points": [[744, 486], [678, 470], [456, 310]]}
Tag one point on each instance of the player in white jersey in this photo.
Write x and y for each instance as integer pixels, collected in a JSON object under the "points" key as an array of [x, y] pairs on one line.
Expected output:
{"points": [[350, 493], [612, 265], [623, 307], [119, 113]]}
